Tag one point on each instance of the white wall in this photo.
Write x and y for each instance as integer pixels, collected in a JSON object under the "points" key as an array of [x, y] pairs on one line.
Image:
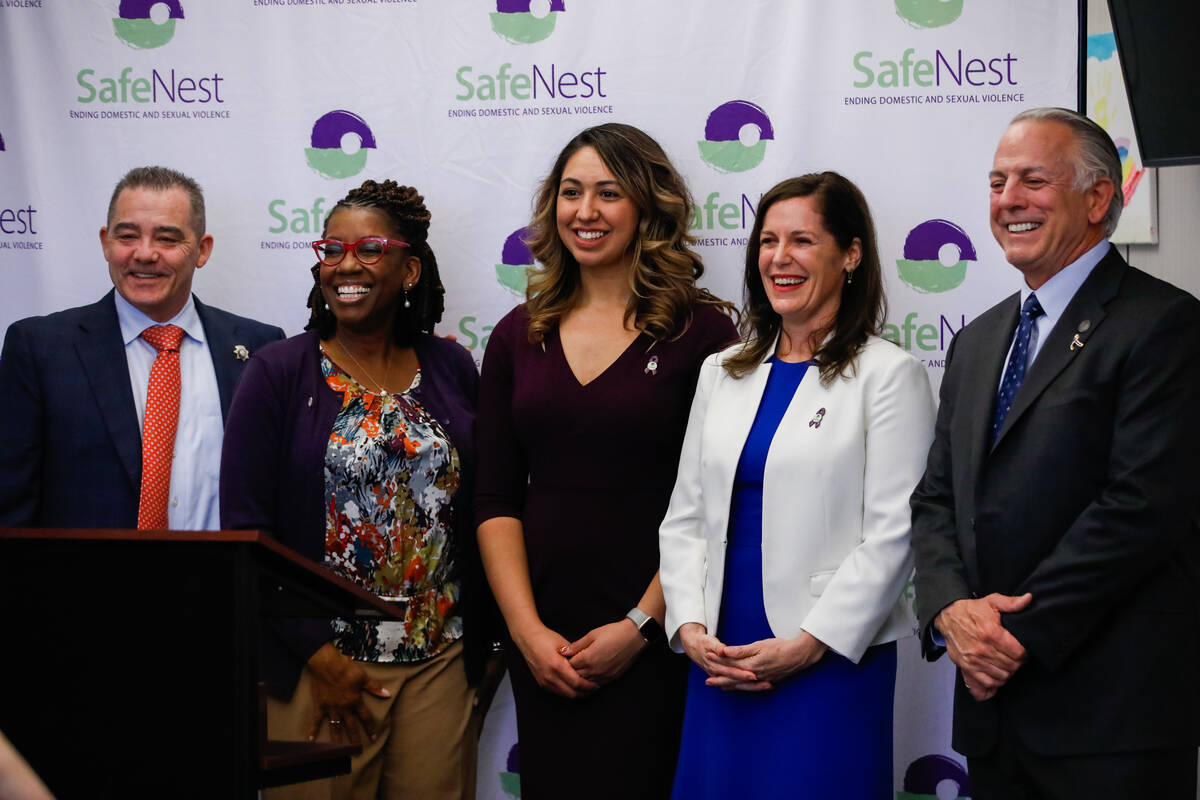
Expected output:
{"points": [[1174, 258]]}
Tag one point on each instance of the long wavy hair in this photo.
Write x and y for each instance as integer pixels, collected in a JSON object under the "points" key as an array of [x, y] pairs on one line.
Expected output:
{"points": [[665, 268], [405, 209], [863, 307]]}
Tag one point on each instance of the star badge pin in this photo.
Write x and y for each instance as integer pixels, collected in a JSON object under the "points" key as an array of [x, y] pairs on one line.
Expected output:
{"points": [[241, 352]]}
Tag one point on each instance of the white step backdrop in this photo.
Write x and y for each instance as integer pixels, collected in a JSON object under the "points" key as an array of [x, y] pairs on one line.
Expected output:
{"points": [[279, 107]]}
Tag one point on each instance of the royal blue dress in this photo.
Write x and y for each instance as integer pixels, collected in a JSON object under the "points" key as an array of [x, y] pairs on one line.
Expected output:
{"points": [[824, 732]]}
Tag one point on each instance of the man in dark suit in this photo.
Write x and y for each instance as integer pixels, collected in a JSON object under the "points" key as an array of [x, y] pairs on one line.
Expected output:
{"points": [[73, 385], [1056, 525]]}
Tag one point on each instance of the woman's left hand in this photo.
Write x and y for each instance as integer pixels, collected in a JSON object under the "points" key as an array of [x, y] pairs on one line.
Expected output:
{"points": [[771, 660], [604, 653]]}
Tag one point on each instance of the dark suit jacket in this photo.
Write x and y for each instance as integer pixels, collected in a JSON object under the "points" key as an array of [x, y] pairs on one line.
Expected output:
{"points": [[1087, 499], [70, 445]]}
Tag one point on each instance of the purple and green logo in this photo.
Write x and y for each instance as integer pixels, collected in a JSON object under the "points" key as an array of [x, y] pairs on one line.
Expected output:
{"points": [[146, 24], [936, 253], [929, 13], [526, 21], [515, 261], [735, 136], [340, 140], [935, 777], [510, 778]]}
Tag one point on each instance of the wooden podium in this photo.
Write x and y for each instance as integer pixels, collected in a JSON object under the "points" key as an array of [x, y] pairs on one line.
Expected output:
{"points": [[130, 663]]}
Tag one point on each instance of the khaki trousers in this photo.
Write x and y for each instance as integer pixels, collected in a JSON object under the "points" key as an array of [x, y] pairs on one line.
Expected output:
{"points": [[428, 735]]}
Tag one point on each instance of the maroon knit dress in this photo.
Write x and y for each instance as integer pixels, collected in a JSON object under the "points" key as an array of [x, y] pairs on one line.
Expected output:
{"points": [[589, 472]]}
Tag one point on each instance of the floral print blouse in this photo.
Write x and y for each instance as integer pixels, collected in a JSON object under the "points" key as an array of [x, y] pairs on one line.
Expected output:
{"points": [[390, 476]]}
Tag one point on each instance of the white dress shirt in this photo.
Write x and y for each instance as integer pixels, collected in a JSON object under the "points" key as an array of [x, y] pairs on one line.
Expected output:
{"points": [[195, 471]]}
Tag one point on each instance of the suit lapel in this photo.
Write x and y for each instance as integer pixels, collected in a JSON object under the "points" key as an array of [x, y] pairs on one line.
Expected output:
{"points": [[752, 387], [984, 363], [749, 391], [101, 350], [982, 403], [221, 342], [1057, 351]]}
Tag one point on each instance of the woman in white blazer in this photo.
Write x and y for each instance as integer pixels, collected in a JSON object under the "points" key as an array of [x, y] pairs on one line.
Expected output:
{"points": [[785, 550]]}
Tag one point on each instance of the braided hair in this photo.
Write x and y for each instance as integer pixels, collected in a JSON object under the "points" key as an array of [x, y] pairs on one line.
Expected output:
{"points": [[405, 208]]}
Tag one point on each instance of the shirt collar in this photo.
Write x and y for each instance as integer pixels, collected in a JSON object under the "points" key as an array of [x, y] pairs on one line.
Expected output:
{"points": [[1054, 294], [133, 321]]}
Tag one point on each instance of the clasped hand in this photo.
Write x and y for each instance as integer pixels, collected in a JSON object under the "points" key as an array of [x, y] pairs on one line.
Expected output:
{"points": [[979, 645], [755, 667], [573, 669]]}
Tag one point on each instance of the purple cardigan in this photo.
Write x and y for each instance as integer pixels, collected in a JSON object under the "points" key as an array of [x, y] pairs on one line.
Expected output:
{"points": [[273, 475]]}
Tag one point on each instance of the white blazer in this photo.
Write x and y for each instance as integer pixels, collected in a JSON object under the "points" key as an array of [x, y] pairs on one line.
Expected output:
{"points": [[836, 519]]}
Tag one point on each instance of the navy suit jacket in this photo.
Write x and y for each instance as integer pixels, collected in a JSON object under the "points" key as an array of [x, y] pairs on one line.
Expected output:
{"points": [[70, 444], [1088, 500]]}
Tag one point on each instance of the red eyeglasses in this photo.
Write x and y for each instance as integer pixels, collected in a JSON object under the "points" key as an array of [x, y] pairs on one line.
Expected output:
{"points": [[370, 250]]}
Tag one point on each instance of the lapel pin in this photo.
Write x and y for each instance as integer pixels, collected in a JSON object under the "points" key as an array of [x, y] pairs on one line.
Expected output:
{"points": [[651, 366], [241, 352], [1076, 342], [815, 422]]}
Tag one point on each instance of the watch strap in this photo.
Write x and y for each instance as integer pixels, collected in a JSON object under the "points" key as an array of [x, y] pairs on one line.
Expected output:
{"points": [[638, 617], [647, 625]]}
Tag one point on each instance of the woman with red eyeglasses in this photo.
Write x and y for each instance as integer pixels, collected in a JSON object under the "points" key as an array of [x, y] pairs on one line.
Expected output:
{"points": [[353, 444]]}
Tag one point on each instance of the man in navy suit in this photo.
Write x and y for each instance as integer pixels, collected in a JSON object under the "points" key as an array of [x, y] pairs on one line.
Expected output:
{"points": [[1056, 526], [73, 385]]}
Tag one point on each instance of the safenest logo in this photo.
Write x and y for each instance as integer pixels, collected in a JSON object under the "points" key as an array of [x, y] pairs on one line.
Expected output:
{"points": [[339, 150], [515, 260], [540, 89], [526, 21], [135, 25], [735, 140], [511, 273], [929, 13], [17, 222], [159, 93], [938, 76], [927, 773], [340, 140], [932, 76], [936, 253], [510, 778], [725, 147]]}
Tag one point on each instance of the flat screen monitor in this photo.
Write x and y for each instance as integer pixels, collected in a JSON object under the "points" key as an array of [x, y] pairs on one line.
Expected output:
{"points": [[1155, 41]]}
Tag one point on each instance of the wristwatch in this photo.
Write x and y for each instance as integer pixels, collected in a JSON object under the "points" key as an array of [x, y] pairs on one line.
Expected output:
{"points": [[647, 625]]}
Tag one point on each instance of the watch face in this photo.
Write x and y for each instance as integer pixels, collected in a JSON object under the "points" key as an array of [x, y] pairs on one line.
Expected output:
{"points": [[651, 630]]}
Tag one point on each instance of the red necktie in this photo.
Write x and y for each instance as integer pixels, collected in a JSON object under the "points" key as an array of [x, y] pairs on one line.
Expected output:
{"points": [[158, 431]]}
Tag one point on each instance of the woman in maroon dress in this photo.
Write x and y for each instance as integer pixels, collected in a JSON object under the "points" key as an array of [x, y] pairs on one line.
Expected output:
{"points": [[583, 405]]}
